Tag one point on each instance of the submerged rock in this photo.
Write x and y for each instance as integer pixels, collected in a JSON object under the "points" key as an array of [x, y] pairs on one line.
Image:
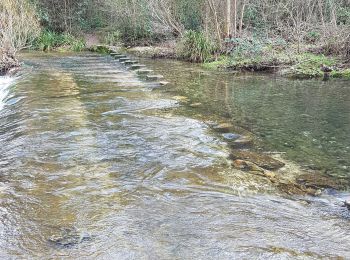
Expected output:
{"points": [[318, 180], [242, 142], [252, 168], [246, 166], [293, 188], [69, 237], [224, 127], [261, 160]]}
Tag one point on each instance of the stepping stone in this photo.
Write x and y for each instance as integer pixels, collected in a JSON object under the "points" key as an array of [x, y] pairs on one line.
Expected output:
{"points": [[154, 77], [119, 56], [137, 66], [163, 83], [124, 59], [131, 62], [115, 54], [144, 71]]}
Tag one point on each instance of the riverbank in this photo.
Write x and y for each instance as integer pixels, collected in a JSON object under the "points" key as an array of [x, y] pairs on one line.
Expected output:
{"points": [[286, 61]]}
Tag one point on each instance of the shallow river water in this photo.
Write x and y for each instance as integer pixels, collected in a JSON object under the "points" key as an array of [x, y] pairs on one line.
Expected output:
{"points": [[97, 162]]}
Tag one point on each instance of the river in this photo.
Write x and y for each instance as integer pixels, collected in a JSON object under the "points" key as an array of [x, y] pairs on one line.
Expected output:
{"points": [[100, 163]]}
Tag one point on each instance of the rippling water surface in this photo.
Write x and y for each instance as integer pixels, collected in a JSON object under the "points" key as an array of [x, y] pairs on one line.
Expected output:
{"points": [[98, 163]]}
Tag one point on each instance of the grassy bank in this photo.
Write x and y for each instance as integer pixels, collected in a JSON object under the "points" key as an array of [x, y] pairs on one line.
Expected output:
{"points": [[276, 55], [253, 56]]}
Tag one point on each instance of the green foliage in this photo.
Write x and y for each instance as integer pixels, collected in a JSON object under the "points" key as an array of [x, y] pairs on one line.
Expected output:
{"points": [[112, 38], [49, 40], [195, 47], [245, 47]]}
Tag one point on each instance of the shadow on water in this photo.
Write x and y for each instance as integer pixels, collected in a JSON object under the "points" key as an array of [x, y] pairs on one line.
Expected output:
{"points": [[96, 164]]}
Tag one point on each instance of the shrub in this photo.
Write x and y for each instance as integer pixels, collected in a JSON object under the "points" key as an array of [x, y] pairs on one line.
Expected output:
{"points": [[195, 47], [49, 40], [248, 48], [18, 24]]}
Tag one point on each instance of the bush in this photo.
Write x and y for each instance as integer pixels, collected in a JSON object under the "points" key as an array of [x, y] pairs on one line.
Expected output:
{"points": [[49, 40], [195, 47], [248, 48]]}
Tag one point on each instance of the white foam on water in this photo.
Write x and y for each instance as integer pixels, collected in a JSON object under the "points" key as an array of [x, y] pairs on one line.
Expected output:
{"points": [[5, 83]]}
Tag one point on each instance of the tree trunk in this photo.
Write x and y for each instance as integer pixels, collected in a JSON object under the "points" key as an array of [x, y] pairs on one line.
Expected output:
{"points": [[235, 19], [228, 19], [241, 19]]}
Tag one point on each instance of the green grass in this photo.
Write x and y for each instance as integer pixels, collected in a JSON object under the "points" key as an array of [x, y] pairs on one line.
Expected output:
{"points": [[221, 63], [308, 65], [345, 74]]}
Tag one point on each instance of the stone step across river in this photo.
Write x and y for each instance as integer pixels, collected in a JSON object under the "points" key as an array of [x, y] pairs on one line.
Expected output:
{"points": [[154, 77], [124, 59], [120, 56], [134, 65], [131, 62], [137, 66], [143, 71]]}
